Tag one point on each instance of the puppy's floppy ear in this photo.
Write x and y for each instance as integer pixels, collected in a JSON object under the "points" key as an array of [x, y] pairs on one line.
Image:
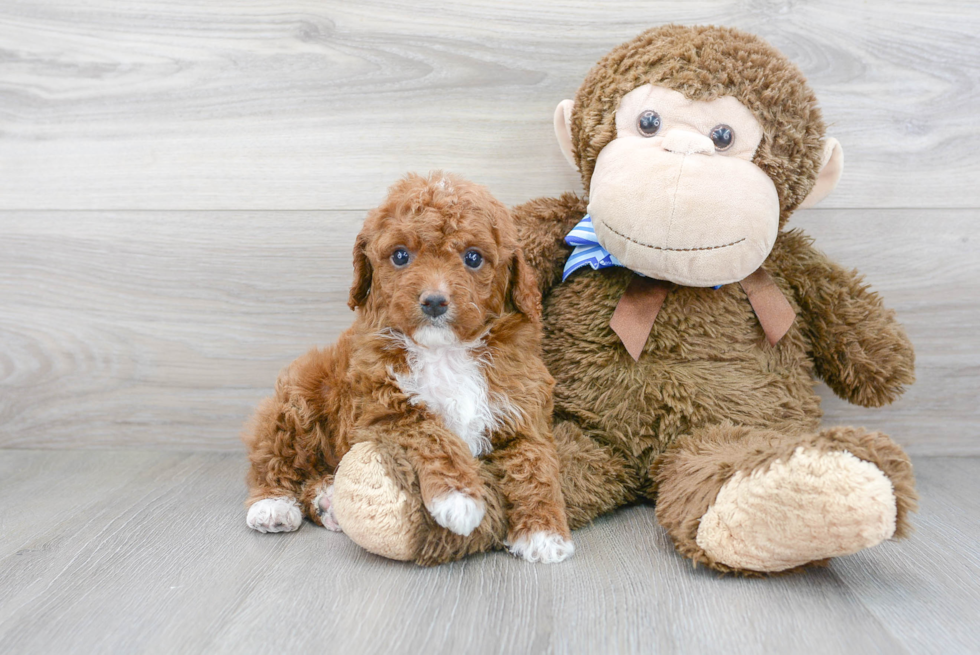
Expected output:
{"points": [[362, 273], [523, 291]]}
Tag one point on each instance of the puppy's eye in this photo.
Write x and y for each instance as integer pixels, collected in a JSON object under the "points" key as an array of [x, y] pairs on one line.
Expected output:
{"points": [[648, 123], [400, 258], [473, 259], [722, 136]]}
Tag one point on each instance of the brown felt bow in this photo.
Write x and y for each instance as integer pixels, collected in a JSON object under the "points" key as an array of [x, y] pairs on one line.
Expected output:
{"points": [[638, 308]]}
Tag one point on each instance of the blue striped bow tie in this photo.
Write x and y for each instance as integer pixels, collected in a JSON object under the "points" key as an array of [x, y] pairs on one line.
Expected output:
{"points": [[587, 251]]}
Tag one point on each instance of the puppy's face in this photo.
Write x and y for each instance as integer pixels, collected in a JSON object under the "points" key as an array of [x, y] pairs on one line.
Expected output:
{"points": [[439, 259], [429, 272]]}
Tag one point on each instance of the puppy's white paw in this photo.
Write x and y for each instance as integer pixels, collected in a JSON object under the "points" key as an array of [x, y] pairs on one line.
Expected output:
{"points": [[457, 512], [324, 507], [274, 515], [545, 547]]}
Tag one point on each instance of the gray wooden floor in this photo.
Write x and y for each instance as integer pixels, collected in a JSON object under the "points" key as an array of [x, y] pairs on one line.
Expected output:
{"points": [[143, 551], [180, 186]]}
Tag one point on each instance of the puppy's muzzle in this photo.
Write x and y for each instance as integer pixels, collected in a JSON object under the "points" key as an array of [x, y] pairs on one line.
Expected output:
{"points": [[434, 304]]}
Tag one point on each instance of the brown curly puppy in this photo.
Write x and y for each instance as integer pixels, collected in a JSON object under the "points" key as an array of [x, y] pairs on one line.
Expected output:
{"points": [[441, 366]]}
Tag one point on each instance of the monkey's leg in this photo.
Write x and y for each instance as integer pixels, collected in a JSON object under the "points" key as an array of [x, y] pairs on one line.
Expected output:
{"points": [[755, 501], [378, 504], [594, 478]]}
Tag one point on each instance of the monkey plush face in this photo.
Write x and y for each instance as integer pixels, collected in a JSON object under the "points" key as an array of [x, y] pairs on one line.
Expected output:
{"points": [[676, 196], [696, 143]]}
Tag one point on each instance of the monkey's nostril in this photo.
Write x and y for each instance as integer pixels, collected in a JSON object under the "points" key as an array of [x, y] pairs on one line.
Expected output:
{"points": [[434, 305]]}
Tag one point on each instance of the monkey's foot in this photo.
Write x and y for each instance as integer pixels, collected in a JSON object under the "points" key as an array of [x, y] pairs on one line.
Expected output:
{"points": [[813, 506], [373, 507]]}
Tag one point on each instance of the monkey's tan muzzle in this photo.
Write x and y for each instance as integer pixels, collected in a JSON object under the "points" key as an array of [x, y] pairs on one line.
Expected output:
{"points": [[688, 216]]}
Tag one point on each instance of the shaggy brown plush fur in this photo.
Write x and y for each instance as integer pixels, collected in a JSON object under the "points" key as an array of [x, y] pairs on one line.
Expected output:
{"points": [[330, 399], [707, 363]]}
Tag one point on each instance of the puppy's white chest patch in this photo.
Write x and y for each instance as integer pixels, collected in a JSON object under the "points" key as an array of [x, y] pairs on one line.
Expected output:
{"points": [[448, 379]]}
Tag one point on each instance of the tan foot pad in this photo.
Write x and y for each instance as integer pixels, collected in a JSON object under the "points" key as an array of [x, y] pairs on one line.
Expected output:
{"points": [[815, 506], [371, 508]]}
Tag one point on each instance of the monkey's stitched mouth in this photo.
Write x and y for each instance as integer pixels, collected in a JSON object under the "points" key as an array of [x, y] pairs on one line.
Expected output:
{"points": [[647, 245]]}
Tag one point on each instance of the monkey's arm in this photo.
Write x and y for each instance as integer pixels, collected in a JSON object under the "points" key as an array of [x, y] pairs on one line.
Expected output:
{"points": [[541, 228], [860, 350]]}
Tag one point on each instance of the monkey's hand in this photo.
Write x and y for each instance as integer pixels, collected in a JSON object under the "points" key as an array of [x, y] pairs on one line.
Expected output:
{"points": [[542, 224], [859, 348]]}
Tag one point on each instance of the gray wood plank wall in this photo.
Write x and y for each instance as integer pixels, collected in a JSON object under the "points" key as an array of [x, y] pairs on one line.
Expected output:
{"points": [[180, 183]]}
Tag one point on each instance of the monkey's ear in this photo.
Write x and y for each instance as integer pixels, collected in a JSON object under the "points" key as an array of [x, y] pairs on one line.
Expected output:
{"points": [[523, 289], [563, 130], [831, 167], [362, 274]]}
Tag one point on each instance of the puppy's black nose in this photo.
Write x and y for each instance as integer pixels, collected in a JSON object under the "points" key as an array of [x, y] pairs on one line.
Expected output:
{"points": [[434, 304]]}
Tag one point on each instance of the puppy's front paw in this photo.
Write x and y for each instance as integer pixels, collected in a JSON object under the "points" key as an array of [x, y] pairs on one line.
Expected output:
{"points": [[457, 512], [545, 547], [274, 515], [324, 509]]}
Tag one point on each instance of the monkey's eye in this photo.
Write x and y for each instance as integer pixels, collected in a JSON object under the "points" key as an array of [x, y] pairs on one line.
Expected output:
{"points": [[400, 257], [648, 123], [722, 136], [473, 259]]}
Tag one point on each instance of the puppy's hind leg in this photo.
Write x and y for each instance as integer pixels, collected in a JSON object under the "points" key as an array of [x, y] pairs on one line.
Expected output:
{"points": [[284, 446], [274, 483], [277, 475], [277, 514], [317, 502]]}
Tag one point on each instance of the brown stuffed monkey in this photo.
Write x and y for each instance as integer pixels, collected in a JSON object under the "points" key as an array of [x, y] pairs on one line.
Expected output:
{"points": [[686, 334]]}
